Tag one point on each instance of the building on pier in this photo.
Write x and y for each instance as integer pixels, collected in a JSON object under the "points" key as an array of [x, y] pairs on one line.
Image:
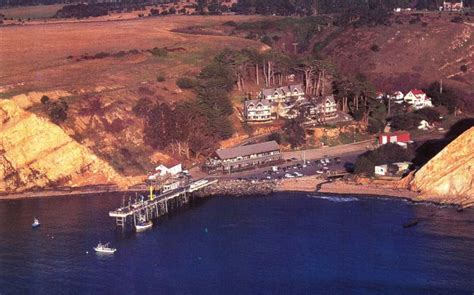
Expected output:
{"points": [[245, 157]]}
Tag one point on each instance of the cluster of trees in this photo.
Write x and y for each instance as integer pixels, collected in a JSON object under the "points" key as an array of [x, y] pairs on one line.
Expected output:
{"points": [[92, 9], [192, 129], [386, 154]]}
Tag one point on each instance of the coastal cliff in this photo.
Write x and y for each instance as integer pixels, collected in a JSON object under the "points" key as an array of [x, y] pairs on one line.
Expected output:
{"points": [[448, 177], [36, 154]]}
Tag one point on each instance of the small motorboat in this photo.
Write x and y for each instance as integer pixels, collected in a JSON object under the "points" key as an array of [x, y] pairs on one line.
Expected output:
{"points": [[104, 248], [410, 223], [35, 223], [142, 226]]}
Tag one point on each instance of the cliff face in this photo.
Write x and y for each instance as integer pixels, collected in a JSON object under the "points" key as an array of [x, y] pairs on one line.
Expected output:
{"points": [[35, 153], [449, 175]]}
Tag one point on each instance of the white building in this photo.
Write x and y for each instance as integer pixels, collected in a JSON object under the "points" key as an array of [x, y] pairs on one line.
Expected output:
{"points": [[163, 170], [381, 170], [397, 97], [258, 110], [424, 125], [418, 99], [324, 106], [281, 93]]}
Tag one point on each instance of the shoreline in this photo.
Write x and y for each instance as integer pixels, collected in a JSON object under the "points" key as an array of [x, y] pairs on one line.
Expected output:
{"points": [[244, 188]]}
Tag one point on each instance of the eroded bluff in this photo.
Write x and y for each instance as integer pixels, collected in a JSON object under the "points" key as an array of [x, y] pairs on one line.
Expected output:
{"points": [[449, 175], [35, 153]]}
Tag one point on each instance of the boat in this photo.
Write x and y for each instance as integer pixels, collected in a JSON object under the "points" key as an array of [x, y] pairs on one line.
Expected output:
{"points": [[142, 226], [104, 248], [410, 223], [35, 223]]}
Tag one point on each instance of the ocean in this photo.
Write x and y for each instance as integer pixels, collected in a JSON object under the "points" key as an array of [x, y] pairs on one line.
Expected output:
{"points": [[281, 244]]}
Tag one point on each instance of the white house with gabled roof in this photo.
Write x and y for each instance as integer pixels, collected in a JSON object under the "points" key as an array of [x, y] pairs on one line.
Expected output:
{"points": [[418, 99]]}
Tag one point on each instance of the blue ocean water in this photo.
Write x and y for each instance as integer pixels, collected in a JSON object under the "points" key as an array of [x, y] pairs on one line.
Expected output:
{"points": [[282, 244]]}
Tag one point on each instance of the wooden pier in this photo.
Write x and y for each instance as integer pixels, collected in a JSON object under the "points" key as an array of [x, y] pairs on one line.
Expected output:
{"points": [[156, 206]]}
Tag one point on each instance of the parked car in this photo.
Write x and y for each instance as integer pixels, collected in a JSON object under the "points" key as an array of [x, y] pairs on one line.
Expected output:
{"points": [[289, 175], [297, 174], [319, 171], [337, 159], [294, 159]]}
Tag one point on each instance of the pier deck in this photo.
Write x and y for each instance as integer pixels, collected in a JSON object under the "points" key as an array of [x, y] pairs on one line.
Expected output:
{"points": [[158, 205]]}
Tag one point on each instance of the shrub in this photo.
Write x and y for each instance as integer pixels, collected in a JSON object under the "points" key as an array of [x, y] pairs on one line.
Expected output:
{"points": [[375, 48], [57, 111], [44, 99], [275, 136], [159, 52], [161, 78], [463, 68], [185, 83], [267, 40], [386, 154], [457, 19]]}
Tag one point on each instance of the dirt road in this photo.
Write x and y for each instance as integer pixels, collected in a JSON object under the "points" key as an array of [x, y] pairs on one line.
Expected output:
{"points": [[334, 151]]}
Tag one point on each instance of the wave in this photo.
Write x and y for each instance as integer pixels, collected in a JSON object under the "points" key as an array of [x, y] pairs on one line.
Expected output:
{"points": [[336, 199]]}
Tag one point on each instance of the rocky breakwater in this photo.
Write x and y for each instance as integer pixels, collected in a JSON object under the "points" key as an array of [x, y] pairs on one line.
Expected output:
{"points": [[238, 188], [449, 176], [36, 154]]}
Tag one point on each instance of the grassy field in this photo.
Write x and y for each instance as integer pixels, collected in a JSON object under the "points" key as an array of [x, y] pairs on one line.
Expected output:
{"points": [[36, 55], [32, 12]]}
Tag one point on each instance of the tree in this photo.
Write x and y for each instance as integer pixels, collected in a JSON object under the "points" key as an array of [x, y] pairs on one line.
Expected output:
{"points": [[386, 154], [185, 83], [294, 132]]}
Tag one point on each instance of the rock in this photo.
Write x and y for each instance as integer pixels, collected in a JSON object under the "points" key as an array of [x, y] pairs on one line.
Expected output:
{"points": [[239, 188], [450, 173]]}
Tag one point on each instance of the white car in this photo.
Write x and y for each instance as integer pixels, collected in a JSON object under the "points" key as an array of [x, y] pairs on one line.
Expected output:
{"points": [[289, 175], [319, 171], [298, 174]]}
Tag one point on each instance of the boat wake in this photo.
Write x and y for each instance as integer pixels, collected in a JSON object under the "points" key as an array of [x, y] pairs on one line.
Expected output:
{"points": [[336, 199]]}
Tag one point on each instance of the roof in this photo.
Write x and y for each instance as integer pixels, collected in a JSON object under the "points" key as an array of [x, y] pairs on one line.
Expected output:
{"points": [[399, 132], [247, 150], [298, 87], [417, 92], [257, 101], [271, 91], [324, 99]]}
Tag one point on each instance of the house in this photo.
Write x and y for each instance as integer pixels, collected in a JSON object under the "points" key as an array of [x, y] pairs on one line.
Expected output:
{"points": [[418, 99], [323, 107], [425, 125], [258, 110], [397, 97], [279, 94], [272, 94], [171, 169], [399, 137], [395, 169], [294, 91], [245, 157], [453, 6], [381, 170]]}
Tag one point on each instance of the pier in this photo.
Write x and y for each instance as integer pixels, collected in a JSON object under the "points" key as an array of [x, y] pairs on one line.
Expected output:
{"points": [[157, 206]]}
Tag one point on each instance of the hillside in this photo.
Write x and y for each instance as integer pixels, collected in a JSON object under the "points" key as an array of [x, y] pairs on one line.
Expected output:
{"points": [[35, 153], [449, 176], [102, 69], [403, 55]]}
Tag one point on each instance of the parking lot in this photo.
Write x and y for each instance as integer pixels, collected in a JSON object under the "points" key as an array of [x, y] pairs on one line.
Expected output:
{"points": [[294, 168]]}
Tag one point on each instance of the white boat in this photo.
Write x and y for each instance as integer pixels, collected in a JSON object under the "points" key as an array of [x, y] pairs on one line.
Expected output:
{"points": [[142, 226], [35, 223], [104, 248]]}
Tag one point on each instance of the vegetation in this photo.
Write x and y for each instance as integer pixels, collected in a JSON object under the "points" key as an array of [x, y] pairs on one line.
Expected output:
{"points": [[57, 110], [294, 132], [386, 154], [444, 96], [185, 83], [161, 78]]}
